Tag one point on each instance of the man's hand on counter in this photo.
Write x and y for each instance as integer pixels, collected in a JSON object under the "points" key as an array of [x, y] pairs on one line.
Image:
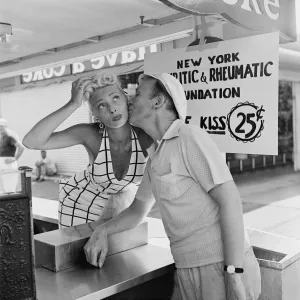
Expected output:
{"points": [[97, 246]]}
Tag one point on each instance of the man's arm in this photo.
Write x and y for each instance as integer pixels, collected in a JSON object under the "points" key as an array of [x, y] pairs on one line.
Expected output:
{"points": [[128, 218], [137, 211], [96, 248], [232, 228], [231, 221]]}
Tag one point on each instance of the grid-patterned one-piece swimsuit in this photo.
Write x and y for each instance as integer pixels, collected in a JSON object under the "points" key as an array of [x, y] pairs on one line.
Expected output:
{"points": [[88, 194]]}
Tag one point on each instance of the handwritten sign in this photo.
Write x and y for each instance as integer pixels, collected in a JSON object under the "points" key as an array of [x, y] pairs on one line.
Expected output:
{"points": [[97, 63], [262, 15], [231, 88]]}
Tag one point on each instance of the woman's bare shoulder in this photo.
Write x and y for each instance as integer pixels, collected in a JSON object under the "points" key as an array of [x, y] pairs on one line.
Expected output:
{"points": [[89, 131], [92, 139], [83, 133], [91, 128]]}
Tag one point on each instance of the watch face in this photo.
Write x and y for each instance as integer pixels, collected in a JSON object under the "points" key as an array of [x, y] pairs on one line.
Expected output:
{"points": [[230, 269]]}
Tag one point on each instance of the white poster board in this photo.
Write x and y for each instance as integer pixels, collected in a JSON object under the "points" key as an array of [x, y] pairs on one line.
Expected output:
{"points": [[231, 88]]}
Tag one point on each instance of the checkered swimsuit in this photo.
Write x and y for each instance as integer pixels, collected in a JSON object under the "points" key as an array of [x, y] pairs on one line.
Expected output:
{"points": [[89, 195]]}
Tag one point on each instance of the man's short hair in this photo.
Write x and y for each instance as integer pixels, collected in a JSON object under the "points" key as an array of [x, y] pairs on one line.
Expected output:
{"points": [[159, 89]]}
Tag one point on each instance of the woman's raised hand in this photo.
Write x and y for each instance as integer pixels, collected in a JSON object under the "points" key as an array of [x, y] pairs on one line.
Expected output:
{"points": [[78, 89], [42, 135]]}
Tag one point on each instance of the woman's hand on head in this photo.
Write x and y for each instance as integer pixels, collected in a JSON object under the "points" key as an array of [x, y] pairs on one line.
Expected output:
{"points": [[78, 89], [97, 246]]}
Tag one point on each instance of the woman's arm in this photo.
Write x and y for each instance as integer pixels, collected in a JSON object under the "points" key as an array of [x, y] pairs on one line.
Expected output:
{"points": [[42, 135]]}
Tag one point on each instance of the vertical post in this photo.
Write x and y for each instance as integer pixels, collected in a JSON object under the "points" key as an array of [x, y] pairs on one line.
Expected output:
{"points": [[241, 165], [217, 31], [207, 29], [253, 163], [296, 126], [26, 173]]}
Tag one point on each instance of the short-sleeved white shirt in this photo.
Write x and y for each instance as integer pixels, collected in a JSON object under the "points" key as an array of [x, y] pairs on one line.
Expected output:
{"points": [[185, 166]]}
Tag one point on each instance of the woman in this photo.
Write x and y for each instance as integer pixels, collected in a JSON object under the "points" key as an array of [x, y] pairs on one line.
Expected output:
{"points": [[117, 151]]}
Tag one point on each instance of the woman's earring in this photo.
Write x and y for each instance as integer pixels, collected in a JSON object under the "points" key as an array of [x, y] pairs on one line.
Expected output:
{"points": [[100, 124], [101, 127]]}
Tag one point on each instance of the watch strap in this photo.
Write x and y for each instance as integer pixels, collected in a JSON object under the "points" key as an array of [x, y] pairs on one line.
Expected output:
{"points": [[237, 270]]}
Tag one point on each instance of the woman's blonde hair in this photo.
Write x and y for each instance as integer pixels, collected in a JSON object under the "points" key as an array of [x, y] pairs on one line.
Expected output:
{"points": [[99, 81]]}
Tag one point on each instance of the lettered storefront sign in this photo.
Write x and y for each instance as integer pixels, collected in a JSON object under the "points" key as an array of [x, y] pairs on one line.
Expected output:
{"points": [[231, 88], [46, 74], [262, 15], [97, 63], [111, 60]]}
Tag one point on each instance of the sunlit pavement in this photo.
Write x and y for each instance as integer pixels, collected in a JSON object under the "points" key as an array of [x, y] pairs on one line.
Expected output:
{"points": [[271, 199], [45, 189]]}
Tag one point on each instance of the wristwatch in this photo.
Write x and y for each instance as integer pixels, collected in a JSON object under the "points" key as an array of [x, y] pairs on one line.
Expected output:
{"points": [[232, 269]]}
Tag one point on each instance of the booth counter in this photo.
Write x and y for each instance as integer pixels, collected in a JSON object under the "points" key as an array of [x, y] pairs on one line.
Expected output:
{"points": [[146, 272], [139, 265], [151, 267]]}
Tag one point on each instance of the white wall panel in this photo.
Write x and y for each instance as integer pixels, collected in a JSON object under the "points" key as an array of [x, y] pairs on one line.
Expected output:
{"points": [[23, 109]]}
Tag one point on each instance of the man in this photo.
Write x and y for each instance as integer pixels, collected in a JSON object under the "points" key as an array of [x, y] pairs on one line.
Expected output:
{"points": [[44, 167], [11, 150], [199, 203]]}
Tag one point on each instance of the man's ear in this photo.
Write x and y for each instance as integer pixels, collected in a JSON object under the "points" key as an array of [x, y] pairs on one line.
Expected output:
{"points": [[159, 101]]}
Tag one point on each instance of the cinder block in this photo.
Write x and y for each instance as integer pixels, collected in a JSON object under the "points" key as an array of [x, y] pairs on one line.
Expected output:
{"points": [[61, 249]]}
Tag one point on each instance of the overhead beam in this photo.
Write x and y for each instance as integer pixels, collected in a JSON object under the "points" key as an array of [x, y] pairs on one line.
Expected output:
{"points": [[51, 51], [129, 40], [150, 23], [289, 59], [94, 39], [16, 60]]}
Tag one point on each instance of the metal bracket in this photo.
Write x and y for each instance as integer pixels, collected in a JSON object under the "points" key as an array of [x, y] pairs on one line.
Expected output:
{"points": [[206, 36]]}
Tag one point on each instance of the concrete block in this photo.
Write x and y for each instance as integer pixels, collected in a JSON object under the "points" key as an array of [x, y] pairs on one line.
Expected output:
{"points": [[61, 249]]}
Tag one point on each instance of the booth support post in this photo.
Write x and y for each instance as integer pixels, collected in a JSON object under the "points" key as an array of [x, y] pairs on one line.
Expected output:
{"points": [[203, 28], [296, 113]]}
